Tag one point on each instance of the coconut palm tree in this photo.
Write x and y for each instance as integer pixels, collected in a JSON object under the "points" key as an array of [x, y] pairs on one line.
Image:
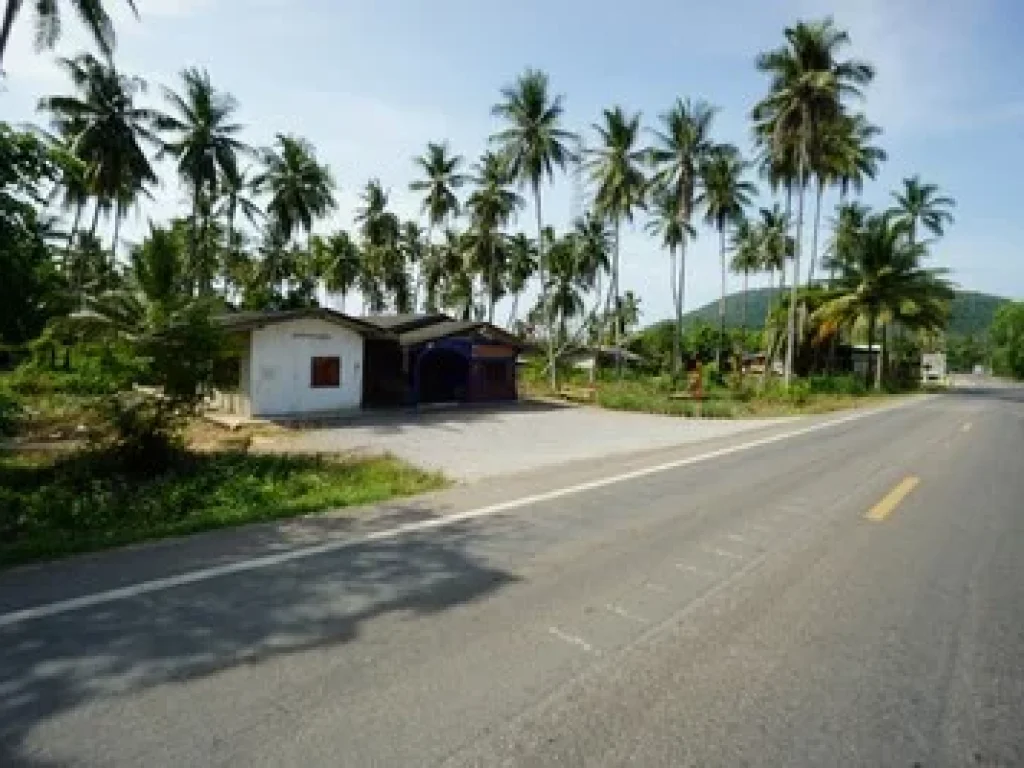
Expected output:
{"points": [[680, 150], [847, 158], [881, 279], [413, 247], [535, 144], [847, 225], [667, 223], [301, 189], [448, 282], [568, 280], [594, 242], [492, 204], [71, 186], [237, 192], [522, 264], [109, 133], [747, 256], [725, 195], [920, 205], [92, 13], [616, 167], [439, 185], [808, 83], [202, 138], [384, 264], [777, 246], [344, 264]]}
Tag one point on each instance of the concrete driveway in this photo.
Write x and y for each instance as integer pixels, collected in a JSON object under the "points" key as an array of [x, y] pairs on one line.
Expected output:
{"points": [[474, 443]]}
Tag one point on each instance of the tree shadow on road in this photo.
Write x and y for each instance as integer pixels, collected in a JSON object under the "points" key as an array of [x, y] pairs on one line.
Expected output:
{"points": [[52, 665]]}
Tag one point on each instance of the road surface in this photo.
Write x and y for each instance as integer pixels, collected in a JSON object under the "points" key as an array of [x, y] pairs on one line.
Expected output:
{"points": [[843, 591]]}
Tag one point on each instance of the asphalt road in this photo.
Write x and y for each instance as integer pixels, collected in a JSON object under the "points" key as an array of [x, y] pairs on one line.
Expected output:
{"points": [[852, 594]]}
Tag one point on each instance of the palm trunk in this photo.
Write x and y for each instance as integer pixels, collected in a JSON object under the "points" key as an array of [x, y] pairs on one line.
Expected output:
{"points": [[746, 287], [117, 233], [230, 250], [681, 298], [596, 315], [835, 230], [552, 370], [769, 355], [880, 368], [721, 299], [791, 340], [13, 6], [872, 320], [95, 219], [514, 311], [207, 285], [79, 209], [617, 330], [814, 236], [425, 259], [193, 248], [674, 282], [491, 275]]}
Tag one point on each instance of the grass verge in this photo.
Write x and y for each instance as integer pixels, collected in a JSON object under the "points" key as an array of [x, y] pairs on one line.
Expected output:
{"points": [[55, 506], [654, 394]]}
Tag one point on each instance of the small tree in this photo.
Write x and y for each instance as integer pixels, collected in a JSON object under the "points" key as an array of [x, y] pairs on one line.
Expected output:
{"points": [[172, 334], [1007, 339]]}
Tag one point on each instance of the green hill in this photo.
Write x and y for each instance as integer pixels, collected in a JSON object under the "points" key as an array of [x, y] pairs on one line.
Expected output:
{"points": [[970, 314]]}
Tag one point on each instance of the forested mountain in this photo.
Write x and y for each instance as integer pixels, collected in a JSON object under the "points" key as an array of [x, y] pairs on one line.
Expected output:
{"points": [[971, 312]]}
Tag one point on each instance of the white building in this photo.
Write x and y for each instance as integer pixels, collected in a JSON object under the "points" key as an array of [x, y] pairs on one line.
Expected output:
{"points": [[317, 361], [290, 362]]}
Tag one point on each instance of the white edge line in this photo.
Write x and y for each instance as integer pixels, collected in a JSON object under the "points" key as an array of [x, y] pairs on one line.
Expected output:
{"points": [[266, 561], [571, 639], [723, 553], [620, 611]]}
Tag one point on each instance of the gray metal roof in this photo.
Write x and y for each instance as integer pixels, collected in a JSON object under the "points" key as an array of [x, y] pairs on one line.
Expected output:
{"points": [[449, 328], [404, 322], [246, 321], [408, 330]]}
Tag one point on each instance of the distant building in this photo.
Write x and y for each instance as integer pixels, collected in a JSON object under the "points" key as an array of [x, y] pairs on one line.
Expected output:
{"points": [[584, 358], [864, 357]]}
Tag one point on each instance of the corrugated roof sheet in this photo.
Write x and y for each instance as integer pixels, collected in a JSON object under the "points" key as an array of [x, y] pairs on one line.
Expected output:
{"points": [[404, 322], [449, 328], [408, 330], [243, 321]]}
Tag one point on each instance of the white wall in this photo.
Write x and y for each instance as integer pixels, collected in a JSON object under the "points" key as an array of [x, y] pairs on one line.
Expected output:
{"points": [[279, 368]]}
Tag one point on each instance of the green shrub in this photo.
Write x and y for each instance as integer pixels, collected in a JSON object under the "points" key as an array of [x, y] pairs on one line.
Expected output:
{"points": [[145, 432], [11, 413], [102, 372], [837, 385], [87, 501], [799, 392]]}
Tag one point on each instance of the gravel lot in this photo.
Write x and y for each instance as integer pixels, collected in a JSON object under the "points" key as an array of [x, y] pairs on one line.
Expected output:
{"points": [[470, 444]]}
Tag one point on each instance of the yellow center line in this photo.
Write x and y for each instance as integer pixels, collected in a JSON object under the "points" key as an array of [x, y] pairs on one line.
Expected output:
{"points": [[892, 499]]}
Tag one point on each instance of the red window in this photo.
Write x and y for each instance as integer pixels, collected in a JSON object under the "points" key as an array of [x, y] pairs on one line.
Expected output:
{"points": [[325, 372]]}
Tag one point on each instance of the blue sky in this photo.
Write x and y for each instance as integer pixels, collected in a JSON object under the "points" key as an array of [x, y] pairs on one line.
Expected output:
{"points": [[369, 83]]}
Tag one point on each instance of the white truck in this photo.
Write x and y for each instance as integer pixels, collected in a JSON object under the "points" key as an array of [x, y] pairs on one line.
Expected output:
{"points": [[933, 368]]}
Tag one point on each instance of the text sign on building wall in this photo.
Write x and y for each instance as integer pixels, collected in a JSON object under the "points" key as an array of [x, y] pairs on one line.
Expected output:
{"points": [[491, 351], [317, 336]]}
